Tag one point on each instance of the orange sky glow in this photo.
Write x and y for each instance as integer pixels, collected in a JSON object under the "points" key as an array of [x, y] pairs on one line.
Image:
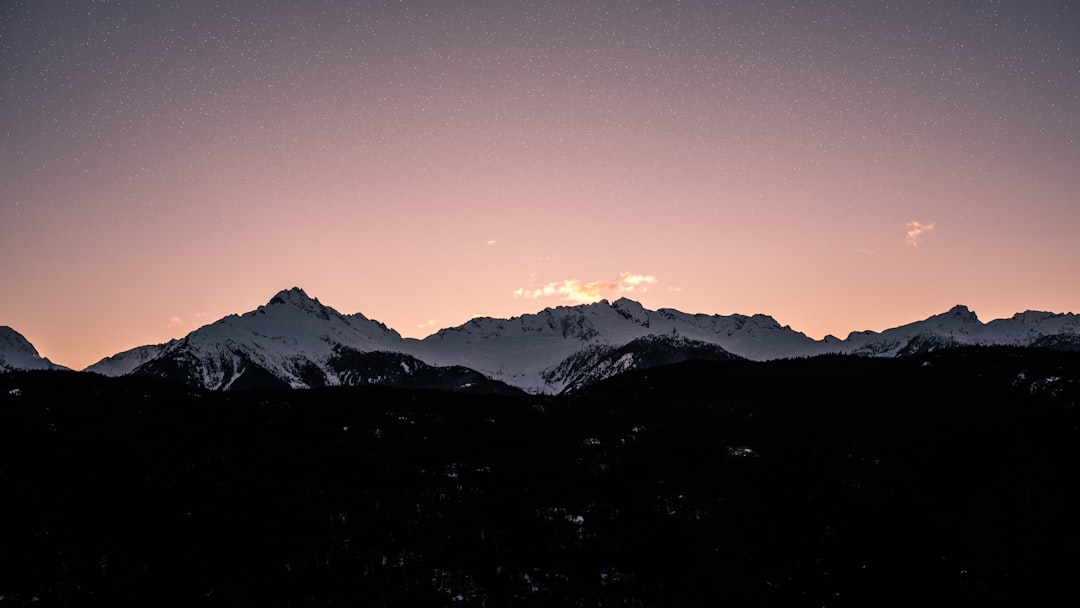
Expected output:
{"points": [[839, 168]]}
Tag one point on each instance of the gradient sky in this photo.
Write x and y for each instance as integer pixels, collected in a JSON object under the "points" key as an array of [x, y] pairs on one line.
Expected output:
{"points": [[838, 165]]}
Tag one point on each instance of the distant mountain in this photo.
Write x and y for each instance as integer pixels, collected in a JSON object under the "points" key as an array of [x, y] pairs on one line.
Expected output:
{"points": [[356, 368], [532, 351], [959, 326], [592, 364], [125, 362], [17, 353], [290, 341], [296, 341]]}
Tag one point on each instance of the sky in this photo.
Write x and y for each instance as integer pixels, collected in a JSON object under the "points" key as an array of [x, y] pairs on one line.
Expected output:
{"points": [[840, 166]]}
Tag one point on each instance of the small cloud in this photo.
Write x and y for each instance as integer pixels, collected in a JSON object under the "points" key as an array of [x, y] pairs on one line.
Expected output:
{"points": [[428, 324], [916, 230], [868, 251], [174, 321], [674, 288], [492, 242], [574, 290]]}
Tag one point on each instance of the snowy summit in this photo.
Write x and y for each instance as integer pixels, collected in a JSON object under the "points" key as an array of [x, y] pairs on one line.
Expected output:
{"points": [[295, 340]]}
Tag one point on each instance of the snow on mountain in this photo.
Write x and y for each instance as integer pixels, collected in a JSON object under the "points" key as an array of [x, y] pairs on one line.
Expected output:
{"points": [[541, 352], [124, 362], [521, 349], [296, 341], [952, 328], [355, 368], [17, 353], [758, 337], [518, 349], [960, 326], [1031, 327], [595, 363], [292, 338]]}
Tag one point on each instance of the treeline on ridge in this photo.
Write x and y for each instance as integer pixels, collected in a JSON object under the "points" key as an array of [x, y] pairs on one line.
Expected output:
{"points": [[832, 480]]}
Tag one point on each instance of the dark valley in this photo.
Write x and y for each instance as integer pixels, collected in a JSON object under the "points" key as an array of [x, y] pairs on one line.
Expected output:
{"points": [[833, 480]]}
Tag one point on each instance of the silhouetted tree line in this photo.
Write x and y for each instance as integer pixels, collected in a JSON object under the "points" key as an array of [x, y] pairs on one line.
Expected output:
{"points": [[829, 481]]}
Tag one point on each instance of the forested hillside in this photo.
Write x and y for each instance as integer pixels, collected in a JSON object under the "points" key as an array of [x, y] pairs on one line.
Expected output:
{"points": [[949, 476]]}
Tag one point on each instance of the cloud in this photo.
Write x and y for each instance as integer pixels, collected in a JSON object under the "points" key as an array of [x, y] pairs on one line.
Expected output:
{"points": [[174, 321], [427, 324], [492, 242], [581, 292], [916, 230]]}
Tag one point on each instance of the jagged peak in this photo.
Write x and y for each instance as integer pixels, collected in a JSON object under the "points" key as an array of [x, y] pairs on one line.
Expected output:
{"points": [[631, 310], [962, 313], [293, 295], [297, 299]]}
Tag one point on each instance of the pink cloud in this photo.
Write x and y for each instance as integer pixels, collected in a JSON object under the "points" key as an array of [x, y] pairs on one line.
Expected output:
{"points": [[916, 230], [581, 292]]}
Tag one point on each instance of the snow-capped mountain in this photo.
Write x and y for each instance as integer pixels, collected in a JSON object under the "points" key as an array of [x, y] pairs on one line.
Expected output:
{"points": [[960, 326], [296, 341], [355, 368], [125, 362], [1036, 328], [291, 339], [544, 352], [532, 351], [17, 353], [595, 363]]}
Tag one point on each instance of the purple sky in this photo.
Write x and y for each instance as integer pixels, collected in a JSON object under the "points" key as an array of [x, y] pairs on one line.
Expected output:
{"points": [[838, 165]]}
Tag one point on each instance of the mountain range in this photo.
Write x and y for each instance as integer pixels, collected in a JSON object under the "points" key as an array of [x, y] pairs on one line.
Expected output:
{"points": [[296, 341]]}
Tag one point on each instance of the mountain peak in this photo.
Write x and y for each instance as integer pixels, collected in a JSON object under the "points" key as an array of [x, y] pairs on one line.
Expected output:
{"points": [[625, 303], [962, 313], [632, 311], [294, 296]]}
